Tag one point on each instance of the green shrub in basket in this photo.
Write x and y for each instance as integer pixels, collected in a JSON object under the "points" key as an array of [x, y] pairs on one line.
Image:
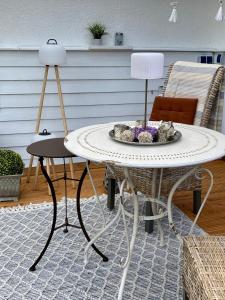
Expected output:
{"points": [[10, 163]]}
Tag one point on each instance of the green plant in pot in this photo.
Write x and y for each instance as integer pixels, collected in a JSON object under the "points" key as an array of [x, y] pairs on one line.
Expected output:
{"points": [[97, 30], [11, 170]]}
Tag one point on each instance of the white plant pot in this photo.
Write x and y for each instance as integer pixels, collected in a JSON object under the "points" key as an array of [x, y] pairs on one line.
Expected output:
{"points": [[97, 42]]}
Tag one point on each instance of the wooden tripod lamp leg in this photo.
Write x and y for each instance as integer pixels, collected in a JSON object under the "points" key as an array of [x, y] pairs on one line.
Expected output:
{"points": [[61, 100], [36, 176], [53, 171], [41, 103], [30, 168], [42, 99], [63, 116]]}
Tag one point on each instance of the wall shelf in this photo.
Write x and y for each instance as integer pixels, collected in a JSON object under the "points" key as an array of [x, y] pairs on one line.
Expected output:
{"points": [[111, 48]]}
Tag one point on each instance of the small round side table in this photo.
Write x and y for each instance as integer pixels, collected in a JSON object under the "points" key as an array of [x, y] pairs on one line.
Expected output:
{"points": [[54, 148]]}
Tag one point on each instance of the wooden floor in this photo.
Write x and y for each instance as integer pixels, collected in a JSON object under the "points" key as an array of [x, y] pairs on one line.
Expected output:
{"points": [[212, 219]]}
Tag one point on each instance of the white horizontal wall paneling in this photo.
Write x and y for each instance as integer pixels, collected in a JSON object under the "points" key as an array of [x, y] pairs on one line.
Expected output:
{"points": [[66, 73], [75, 99], [171, 57], [26, 127], [74, 59], [97, 88], [51, 113], [77, 86]]}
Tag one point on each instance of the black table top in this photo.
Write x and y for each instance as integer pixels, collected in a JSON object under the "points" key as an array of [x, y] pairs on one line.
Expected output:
{"points": [[50, 148]]}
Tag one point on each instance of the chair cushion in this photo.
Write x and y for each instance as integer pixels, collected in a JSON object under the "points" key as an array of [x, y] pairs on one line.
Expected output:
{"points": [[180, 110]]}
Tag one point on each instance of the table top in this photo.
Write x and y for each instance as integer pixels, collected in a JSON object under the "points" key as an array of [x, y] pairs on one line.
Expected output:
{"points": [[197, 145], [50, 148]]}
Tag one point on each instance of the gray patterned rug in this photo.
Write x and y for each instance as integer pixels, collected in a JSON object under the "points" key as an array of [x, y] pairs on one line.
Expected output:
{"points": [[154, 271]]}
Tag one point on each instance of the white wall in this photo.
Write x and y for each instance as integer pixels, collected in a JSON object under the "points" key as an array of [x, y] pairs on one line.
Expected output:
{"points": [[96, 85], [144, 22]]}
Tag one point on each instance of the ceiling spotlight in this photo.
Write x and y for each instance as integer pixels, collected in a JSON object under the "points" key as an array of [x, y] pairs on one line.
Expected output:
{"points": [[219, 16], [173, 16]]}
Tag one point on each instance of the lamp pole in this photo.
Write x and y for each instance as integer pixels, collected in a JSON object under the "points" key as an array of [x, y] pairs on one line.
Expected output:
{"points": [[147, 66], [146, 102]]}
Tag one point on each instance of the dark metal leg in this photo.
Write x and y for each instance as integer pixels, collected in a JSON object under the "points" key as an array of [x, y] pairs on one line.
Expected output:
{"points": [[66, 223], [149, 225], [65, 230], [111, 193], [80, 217], [185, 296], [33, 267], [196, 201]]}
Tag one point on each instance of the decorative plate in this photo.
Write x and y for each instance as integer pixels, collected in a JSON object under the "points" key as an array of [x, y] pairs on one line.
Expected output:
{"points": [[175, 138]]}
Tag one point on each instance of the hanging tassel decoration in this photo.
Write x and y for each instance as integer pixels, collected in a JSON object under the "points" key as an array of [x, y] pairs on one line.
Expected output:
{"points": [[173, 16], [219, 16]]}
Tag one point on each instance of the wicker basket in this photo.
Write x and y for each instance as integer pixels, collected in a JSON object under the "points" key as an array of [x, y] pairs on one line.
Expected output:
{"points": [[204, 267], [10, 187]]}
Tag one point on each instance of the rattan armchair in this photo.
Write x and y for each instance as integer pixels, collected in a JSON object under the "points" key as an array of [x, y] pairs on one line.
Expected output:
{"points": [[204, 267], [170, 176]]}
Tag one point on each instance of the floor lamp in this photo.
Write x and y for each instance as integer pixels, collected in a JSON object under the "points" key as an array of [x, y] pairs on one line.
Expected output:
{"points": [[147, 66], [53, 55]]}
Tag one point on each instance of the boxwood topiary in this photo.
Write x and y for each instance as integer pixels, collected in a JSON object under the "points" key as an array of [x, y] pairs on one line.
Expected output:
{"points": [[10, 163]]}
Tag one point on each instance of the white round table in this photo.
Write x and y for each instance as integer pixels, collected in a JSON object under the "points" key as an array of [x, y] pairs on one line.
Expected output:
{"points": [[196, 146]]}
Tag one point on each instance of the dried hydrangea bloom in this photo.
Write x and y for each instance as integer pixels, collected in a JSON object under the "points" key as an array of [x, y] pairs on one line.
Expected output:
{"points": [[127, 136], [165, 131], [145, 137], [152, 130]]}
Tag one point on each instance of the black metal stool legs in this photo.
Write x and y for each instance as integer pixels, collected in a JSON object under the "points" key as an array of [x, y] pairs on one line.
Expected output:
{"points": [[65, 230], [33, 267], [80, 217], [66, 223]]}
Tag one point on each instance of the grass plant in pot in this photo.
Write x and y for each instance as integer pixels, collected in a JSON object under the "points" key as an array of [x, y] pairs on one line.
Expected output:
{"points": [[11, 170], [97, 30]]}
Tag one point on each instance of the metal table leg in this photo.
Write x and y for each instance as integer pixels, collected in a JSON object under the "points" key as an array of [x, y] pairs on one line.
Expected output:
{"points": [[33, 267], [111, 193], [136, 218], [80, 217], [172, 191], [134, 234], [149, 225]]}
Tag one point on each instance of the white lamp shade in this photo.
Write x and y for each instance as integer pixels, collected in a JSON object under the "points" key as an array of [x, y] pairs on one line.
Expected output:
{"points": [[52, 54], [147, 65]]}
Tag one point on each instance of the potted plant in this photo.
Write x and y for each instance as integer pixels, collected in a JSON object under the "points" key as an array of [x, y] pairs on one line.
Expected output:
{"points": [[97, 30], [11, 169]]}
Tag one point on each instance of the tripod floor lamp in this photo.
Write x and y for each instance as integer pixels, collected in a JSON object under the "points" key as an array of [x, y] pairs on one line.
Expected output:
{"points": [[53, 55]]}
